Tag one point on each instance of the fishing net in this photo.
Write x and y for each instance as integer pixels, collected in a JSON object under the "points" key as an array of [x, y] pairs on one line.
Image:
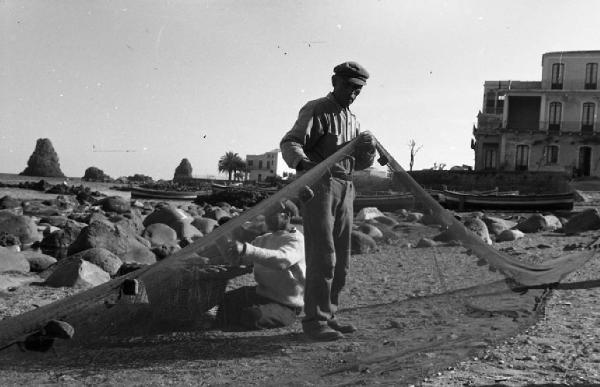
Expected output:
{"points": [[478, 288]]}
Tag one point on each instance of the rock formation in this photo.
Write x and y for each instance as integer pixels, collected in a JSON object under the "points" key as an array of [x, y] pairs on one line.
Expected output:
{"points": [[95, 174], [43, 161], [184, 170]]}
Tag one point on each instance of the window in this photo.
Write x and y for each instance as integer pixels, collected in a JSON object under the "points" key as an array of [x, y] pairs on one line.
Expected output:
{"points": [[587, 117], [490, 155], [551, 154], [268, 164], [558, 70], [554, 116], [259, 164], [494, 102], [250, 163], [591, 76], [522, 161], [490, 100]]}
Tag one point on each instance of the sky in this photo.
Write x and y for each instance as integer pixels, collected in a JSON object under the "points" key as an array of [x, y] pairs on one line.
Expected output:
{"points": [[135, 86]]}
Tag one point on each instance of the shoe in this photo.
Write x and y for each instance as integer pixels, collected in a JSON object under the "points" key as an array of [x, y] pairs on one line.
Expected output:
{"points": [[342, 328], [323, 333]]}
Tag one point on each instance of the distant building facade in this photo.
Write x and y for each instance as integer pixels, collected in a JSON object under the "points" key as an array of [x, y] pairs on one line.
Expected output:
{"points": [[267, 164], [547, 125]]}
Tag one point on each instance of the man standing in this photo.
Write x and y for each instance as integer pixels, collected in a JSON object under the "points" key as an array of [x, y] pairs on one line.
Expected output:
{"points": [[324, 126]]}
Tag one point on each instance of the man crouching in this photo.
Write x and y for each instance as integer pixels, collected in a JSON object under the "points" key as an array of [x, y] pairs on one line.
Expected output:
{"points": [[279, 270]]}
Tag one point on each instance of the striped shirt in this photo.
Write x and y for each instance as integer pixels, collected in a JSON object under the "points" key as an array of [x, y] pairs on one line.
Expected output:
{"points": [[322, 127]]}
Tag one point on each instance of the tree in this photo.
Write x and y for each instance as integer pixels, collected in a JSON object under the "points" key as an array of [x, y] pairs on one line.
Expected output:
{"points": [[412, 145], [438, 167], [231, 163]]}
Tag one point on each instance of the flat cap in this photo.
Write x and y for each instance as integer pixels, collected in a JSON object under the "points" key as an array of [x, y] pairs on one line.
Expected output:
{"points": [[353, 72]]}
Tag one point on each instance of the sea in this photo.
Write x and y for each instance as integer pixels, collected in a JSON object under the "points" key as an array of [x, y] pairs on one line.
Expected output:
{"points": [[104, 188]]}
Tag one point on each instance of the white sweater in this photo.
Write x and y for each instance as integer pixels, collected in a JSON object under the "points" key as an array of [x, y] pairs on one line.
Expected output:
{"points": [[279, 266]]}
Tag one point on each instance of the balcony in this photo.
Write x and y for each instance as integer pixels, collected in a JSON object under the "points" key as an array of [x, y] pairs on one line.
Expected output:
{"points": [[552, 128]]}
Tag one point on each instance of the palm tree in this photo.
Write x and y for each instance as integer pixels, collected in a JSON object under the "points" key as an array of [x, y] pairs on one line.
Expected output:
{"points": [[231, 162]]}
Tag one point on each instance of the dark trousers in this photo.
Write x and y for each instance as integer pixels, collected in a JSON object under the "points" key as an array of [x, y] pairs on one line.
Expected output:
{"points": [[244, 308], [327, 220]]}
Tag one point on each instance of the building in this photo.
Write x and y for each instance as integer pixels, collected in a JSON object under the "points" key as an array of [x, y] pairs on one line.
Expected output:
{"points": [[267, 164], [547, 125]]}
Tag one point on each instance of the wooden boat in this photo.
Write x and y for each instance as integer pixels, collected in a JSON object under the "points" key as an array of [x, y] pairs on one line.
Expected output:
{"points": [[218, 188], [147, 193], [384, 202], [497, 201]]}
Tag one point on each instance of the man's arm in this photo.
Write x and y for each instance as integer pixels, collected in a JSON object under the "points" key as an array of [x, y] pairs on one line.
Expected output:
{"points": [[294, 141], [289, 251]]}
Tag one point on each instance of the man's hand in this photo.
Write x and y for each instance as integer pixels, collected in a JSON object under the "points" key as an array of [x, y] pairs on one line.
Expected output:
{"points": [[366, 139], [364, 151], [235, 252]]}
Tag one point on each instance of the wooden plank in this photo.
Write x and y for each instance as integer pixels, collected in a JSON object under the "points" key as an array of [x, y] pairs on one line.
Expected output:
{"points": [[17, 327]]}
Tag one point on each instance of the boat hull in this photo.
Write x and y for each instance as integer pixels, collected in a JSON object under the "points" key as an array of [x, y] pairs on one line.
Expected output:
{"points": [[462, 201], [146, 193], [384, 202]]}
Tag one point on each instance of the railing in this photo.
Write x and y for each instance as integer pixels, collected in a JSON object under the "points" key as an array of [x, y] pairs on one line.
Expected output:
{"points": [[493, 110], [551, 127]]}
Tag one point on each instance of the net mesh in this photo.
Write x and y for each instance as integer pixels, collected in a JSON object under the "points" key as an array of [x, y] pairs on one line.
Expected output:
{"points": [[478, 287]]}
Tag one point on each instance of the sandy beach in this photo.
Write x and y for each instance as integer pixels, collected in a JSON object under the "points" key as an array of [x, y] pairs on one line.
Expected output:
{"points": [[426, 316]]}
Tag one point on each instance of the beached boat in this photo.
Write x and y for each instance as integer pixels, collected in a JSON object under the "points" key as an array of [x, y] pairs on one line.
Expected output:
{"points": [[498, 201], [384, 202], [147, 193], [218, 188]]}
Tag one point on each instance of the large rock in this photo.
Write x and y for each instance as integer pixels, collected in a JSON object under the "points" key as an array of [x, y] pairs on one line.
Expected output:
{"points": [[95, 174], [553, 223], [535, 223], [361, 243], [583, 221], [414, 217], [75, 272], [132, 220], [216, 213], [8, 202], [21, 226], [388, 221], [60, 240], [43, 161], [160, 234], [55, 220], [40, 209], [370, 230], [509, 235], [497, 225], [177, 219], [425, 242], [10, 240], [387, 229], [205, 225], [116, 204], [168, 215], [12, 261], [367, 213], [102, 258], [183, 170], [477, 226], [38, 261], [115, 239]]}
